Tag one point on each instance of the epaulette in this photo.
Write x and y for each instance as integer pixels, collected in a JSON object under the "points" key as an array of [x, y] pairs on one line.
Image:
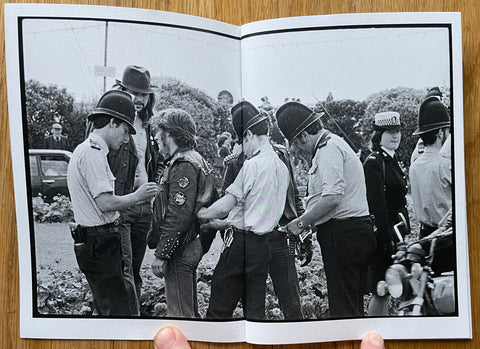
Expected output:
{"points": [[95, 145], [280, 148], [323, 140], [230, 158], [373, 155]]}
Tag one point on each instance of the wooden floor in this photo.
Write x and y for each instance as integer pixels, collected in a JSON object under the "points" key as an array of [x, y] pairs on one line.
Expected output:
{"points": [[239, 12]]}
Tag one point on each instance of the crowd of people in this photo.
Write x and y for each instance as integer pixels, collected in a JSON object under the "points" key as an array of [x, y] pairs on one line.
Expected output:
{"points": [[137, 180]]}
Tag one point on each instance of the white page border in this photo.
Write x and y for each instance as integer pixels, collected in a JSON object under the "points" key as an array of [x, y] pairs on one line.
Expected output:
{"points": [[264, 333]]}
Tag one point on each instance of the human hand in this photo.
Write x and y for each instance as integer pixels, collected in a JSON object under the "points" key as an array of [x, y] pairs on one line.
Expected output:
{"points": [[372, 340], [170, 337], [214, 224], [293, 228], [159, 267], [146, 191]]}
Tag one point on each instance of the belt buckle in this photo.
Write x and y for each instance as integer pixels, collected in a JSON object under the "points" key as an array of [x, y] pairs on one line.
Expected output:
{"points": [[227, 241]]}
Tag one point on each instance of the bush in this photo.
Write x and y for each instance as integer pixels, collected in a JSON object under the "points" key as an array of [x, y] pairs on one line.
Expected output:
{"points": [[60, 210]]}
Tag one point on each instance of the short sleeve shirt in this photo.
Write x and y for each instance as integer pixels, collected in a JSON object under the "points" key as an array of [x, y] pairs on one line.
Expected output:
{"points": [[260, 189], [88, 176], [431, 182], [337, 170]]}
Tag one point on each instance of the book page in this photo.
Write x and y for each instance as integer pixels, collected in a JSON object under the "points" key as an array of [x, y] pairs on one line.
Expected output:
{"points": [[60, 60], [354, 72]]}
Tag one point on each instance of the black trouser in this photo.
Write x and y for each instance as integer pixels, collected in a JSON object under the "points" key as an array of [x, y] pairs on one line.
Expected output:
{"points": [[283, 273], [346, 248], [240, 274], [100, 259]]}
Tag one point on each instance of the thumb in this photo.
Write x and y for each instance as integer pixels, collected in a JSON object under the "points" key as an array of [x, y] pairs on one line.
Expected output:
{"points": [[170, 337], [372, 341]]}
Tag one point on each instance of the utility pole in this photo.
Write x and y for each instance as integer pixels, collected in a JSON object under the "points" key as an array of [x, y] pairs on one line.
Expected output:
{"points": [[105, 57]]}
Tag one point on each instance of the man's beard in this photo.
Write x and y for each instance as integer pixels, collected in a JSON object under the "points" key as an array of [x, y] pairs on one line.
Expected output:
{"points": [[143, 115]]}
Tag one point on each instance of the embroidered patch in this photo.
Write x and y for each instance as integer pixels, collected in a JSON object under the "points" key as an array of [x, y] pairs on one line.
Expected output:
{"points": [[179, 198], [183, 182]]}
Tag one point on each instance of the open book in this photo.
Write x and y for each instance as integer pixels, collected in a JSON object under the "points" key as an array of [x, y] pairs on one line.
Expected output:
{"points": [[346, 69]]}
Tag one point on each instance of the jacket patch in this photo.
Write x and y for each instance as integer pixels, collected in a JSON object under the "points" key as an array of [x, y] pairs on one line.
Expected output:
{"points": [[179, 198], [183, 182]]}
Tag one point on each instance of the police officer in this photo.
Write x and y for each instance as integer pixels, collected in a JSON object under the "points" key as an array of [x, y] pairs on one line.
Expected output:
{"points": [[282, 267], [336, 205], [431, 176], [175, 229], [134, 163], [253, 205], [386, 189], [95, 205]]}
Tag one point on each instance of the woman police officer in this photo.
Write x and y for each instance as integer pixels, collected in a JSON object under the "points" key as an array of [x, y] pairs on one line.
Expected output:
{"points": [[386, 189]]}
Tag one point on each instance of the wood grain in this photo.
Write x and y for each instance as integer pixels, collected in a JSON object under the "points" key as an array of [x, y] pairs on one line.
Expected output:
{"points": [[239, 12]]}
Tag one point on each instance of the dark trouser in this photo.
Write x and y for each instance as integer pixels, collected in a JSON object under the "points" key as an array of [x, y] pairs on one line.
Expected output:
{"points": [[241, 273], [134, 226], [346, 248], [181, 281], [101, 261], [283, 272], [445, 253]]}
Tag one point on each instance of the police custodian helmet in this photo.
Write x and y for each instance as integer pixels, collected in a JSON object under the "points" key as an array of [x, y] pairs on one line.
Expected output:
{"points": [[244, 116], [293, 118], [118, 104], [432, 115]]}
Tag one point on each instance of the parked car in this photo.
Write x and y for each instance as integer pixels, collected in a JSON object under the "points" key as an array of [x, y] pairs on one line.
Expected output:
{"points": [[48, 172]]}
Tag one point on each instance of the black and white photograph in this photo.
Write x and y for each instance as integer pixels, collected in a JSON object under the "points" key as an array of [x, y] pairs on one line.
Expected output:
{"points": [[290, 173]]}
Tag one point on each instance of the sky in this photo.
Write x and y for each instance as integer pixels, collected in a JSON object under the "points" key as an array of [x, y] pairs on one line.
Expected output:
{"points": [[349, 63], [65, 53]]}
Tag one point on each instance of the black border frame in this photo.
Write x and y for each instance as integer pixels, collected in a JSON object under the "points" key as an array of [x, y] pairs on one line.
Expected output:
{"points": [[36, 314]]}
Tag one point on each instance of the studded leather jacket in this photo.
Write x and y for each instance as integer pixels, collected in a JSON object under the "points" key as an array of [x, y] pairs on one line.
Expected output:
{"points": [[179, 197]]}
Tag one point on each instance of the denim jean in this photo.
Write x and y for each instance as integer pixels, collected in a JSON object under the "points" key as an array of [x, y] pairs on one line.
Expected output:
{"points": [[100, 260], [181, 281], [134, 226], [283, 273]]}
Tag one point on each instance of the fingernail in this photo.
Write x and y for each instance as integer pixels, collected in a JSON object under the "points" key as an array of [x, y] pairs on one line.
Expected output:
{"points": [[165, 339], [372, 341]]}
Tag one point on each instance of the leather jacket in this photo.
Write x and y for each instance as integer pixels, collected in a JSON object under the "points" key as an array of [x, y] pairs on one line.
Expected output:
{"points": [[123, 163], [183, 190]]}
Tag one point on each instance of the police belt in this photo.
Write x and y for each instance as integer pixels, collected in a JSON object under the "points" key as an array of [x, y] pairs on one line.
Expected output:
{"points": [[241, 231], [352, 219], [109, 228]]}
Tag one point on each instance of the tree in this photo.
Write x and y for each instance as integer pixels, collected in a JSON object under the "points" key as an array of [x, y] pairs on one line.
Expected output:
{"points": [[46, 105], [211, 117], [403, 100], [347, 114]]}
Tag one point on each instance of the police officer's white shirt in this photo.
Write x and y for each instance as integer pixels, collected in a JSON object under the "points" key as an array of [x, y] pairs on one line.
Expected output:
{"points": [[431, 183], [337, 170], [88, 176], [261, 190]]}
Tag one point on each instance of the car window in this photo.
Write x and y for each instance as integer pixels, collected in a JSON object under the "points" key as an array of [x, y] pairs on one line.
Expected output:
{"points": [[53, 165], [33, 165]]}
